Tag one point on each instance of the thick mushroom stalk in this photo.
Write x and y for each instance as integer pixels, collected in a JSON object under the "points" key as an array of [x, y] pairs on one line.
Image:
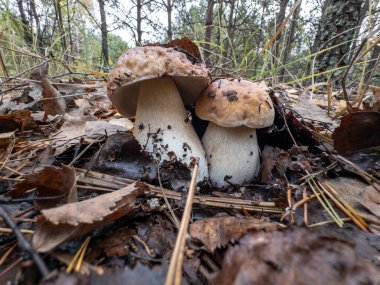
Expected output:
{"points": [[232, 153], [162, 126], [235, 109]]}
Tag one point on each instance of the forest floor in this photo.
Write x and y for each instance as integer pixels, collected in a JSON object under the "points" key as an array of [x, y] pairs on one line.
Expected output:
{"points": [[97, 210]]}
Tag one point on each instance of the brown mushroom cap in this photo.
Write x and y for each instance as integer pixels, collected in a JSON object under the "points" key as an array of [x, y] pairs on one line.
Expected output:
{"points": [[143, 63], [235, 102]]}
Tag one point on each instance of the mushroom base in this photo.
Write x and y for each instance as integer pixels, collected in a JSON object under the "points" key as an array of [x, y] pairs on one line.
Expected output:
{"points": [[232, 153], [162, 127]]}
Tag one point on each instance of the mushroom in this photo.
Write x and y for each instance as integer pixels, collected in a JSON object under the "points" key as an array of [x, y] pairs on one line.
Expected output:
{"points": [[153, 83], [235, 109]]}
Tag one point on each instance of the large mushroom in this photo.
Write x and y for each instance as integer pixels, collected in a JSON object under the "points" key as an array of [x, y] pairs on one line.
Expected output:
{"points": [[235, 109], [154, 84]]}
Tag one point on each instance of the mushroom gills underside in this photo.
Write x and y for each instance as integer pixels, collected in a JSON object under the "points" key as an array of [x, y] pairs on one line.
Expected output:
{"points": [[232, 153], [162, 127]]}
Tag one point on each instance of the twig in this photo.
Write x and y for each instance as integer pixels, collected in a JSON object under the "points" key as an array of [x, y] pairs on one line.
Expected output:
{"points": [[23, 243], [86, 148], [174, 217], [174, 275], [9, 231]]}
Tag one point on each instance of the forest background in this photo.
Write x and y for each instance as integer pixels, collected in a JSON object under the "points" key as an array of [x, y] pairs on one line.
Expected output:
{"points": [[300, 42]]}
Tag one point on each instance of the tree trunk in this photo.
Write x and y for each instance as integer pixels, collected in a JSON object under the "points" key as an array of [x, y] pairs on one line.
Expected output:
{"points": [[138, 23], [230, 28], [208, 30], [169, 8], [58, 14], [279, 20], [220, 18], [103, 29], [25, 24], [289, 40], [69, 27], [40, 42], [337, 23]]}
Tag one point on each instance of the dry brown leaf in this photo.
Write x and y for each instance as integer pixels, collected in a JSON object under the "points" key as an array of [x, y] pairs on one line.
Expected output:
{"points": [[358, 195], [370, 199], [21, 120], [358, 130], [219, 231], [51, 181], [295, 256], [53, 103], [57, 225]]}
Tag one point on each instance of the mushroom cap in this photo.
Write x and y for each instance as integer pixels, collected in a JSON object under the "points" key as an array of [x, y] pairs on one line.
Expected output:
{"points": [[144, 63], [236, 102]]}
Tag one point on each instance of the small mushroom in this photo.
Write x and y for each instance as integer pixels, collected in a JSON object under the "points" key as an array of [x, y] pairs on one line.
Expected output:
{"points": [[238, 108], [154, 84]]}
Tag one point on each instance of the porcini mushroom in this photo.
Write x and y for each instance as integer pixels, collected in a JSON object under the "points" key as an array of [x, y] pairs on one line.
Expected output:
{"points": [[235, 109], [154, 83]]}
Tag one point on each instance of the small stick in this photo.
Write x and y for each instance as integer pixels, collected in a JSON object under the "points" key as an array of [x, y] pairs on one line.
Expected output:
{"points": [[7, 253], [23, 243], [175, 269], [304, 196], [9, 231], [174, 217]]}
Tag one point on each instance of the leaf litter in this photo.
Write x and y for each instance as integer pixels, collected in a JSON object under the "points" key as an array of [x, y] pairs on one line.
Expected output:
{"points": [[76, 182]]}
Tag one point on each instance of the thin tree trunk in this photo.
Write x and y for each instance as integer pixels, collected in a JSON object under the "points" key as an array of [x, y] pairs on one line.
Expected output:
{"points": [[103, 29], [40, 44], [230, 28], [138, 19], [290, 39], [220, 13], [62, 34], [169, 12], [208, 29], [25, 24], [279, 20], [69, 27]]}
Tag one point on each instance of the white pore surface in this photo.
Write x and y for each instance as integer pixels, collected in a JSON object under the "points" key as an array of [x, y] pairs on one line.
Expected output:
{"points": [[232, 152], [162, 128]]}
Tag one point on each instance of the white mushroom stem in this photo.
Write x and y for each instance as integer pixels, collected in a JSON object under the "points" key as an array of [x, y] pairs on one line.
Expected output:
{"points": [[232, 152], [162, 127]]}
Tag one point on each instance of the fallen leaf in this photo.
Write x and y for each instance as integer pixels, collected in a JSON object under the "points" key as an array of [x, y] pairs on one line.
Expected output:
{"points": [[53, 103], [309, 110], [295, 256], [50, 181], [59, 224], [353, 191], [217, 232], [357, 130], [371, 199], [21, 120]]}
